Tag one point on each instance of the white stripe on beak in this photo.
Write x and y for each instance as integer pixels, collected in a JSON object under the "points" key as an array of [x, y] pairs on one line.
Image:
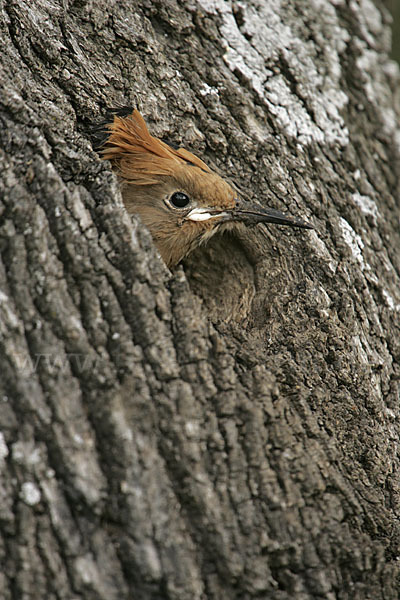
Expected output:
{"points": [[202, 214]]}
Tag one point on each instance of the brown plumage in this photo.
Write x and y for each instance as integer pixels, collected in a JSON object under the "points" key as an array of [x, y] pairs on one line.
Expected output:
{"points": [[177, 196]]}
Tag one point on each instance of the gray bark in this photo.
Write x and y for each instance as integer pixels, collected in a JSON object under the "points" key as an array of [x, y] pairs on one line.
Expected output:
{"points": [[231, 429]]}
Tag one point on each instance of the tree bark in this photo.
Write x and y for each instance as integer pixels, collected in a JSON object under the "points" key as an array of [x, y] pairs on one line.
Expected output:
{"points": [[230, 429]]}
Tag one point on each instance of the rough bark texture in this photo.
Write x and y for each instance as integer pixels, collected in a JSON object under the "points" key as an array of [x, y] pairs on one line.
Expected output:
{"points": [[229, 430]]}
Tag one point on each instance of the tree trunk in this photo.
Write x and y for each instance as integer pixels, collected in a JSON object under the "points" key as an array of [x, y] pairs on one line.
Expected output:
{"points": [[229, 430]]}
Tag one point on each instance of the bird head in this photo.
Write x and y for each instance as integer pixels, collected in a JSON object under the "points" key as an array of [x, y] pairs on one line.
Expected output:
{"points": [[177, 196]]}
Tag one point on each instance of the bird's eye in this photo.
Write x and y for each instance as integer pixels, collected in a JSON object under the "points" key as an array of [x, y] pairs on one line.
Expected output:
{"points": [[179, 200]]}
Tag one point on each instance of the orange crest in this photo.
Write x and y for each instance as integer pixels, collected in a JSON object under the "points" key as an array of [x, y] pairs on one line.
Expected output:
{"points": [[140, 157]]}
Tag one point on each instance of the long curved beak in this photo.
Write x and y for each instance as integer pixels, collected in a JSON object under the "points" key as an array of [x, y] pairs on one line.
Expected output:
{"points": [[251, 214]]}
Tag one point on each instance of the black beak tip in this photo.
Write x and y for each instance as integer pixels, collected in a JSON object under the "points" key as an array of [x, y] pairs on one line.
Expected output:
{"points": [[303, 224]]}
